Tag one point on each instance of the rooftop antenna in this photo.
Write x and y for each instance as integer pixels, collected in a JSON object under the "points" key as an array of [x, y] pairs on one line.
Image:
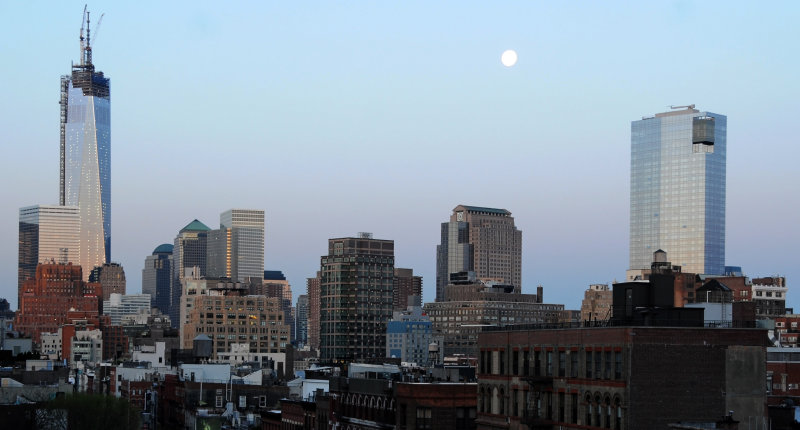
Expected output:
{"points": [[88, 50], [88, 37], [82, 44]]}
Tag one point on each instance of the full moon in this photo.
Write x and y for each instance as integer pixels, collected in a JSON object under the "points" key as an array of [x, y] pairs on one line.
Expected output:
{"points": [[509, 58]]}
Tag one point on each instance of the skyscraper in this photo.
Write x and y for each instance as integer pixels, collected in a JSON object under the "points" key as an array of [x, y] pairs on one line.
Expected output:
{"points": [[356, 286], [157, 277], [313, 323], [188, 254], [46, 233], [678, 190], [483, 240], [236, 250], [85, 155], [301, 322], [111, 277], [405, 286]]}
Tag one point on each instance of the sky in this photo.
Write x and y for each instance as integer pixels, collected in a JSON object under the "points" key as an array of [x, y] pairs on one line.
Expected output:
{"points": [[356, 116]]}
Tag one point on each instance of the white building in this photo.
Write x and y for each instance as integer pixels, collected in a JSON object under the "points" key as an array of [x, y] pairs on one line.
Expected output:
{"points": [[240, 354], [153, 354], [118, 306], [87, 346], [51, 345]]}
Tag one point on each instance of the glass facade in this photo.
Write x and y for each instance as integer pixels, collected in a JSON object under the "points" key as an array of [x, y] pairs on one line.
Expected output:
{"points": [[157, 277], [86, 162], [677, 190], [236, 250], [47, 233]]}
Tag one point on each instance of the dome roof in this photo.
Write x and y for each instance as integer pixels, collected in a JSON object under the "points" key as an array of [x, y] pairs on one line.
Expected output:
{"points": [[164, 248]]}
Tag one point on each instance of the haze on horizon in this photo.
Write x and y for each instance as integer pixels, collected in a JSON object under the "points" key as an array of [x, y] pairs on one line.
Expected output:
{"points": [[340, 118]]}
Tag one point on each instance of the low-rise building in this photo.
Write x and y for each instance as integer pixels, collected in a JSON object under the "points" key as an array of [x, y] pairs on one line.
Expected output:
{"points": [[473, 305], [618, 377], [408, 337], [596, 304]]}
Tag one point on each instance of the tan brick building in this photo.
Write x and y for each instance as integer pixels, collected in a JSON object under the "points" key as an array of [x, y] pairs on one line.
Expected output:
{"points": [[229, 316]]}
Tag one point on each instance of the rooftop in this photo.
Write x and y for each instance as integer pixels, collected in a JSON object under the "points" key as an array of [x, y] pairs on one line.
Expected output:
{"points": [[195, 226], [489, 210]]}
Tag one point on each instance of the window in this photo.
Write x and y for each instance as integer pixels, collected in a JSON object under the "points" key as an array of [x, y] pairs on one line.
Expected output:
{"points": [[574, 408], [537, 363], [424, 418], [526, 363], [598, 358], [588, 364], [573, 365], [608, 365], [618, 365], [549, 363], [515, 366], [562, 364], [219, 402]]}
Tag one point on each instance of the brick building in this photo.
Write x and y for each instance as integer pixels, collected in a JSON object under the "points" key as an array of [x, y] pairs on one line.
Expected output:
{"points": [[436, 405], [618, 377], [228, 316], [596, 304], [405, 285], [472, 305], [111, 277], [55, 289], [312, 290]]}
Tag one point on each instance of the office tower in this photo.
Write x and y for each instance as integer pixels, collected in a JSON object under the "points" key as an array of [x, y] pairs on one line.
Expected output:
{"points": [[111, 277], [275, 285], [312, 290], [189, 254], [236, 249], [46, 233], [356, 285], [480, 240], [85, 155], [301, 321], [405, 285], [678, 190], [55, 289], [157, 277]]}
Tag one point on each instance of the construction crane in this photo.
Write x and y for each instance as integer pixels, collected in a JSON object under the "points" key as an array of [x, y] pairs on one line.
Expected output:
{"points": [[83, 20], [691, 106]]}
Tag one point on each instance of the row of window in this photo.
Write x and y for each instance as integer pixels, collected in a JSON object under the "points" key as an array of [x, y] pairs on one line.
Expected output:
{"points": [[584, 363]]}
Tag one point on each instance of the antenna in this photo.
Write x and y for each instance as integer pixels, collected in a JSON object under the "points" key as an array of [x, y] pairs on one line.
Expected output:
{"points": [[88, 51], [89, 38]]}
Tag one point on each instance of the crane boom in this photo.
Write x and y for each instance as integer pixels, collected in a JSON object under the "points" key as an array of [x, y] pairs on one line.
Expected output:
{"points": [[83, 20]]}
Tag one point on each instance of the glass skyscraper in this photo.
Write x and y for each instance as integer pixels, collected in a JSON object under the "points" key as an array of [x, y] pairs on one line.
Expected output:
{"points": [[678, 190], [236, 250], [47, 233], [85, 179]]}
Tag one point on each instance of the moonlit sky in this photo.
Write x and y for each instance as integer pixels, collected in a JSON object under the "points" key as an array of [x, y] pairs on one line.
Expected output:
{"points": [[341, 117]]}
